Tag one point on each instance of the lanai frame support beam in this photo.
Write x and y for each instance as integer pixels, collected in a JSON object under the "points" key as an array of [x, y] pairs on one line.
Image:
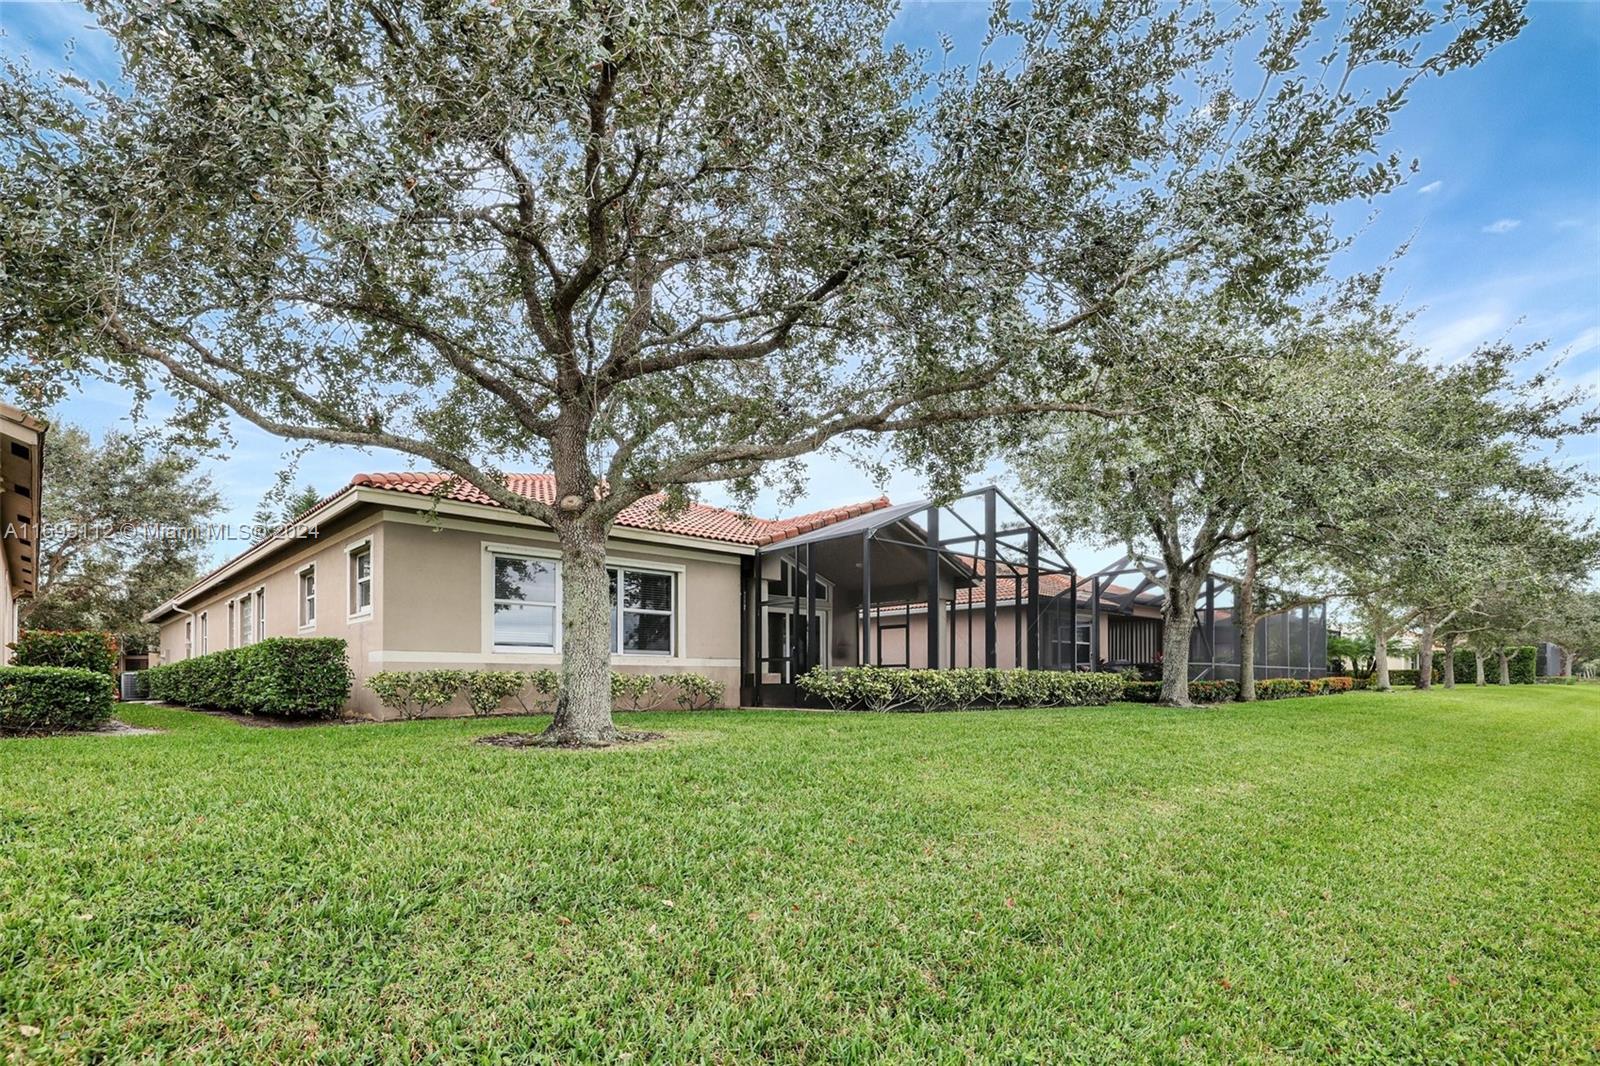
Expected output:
{"points": [[1033, 600], [991, 584], [866, 599], [812, 632], [934, 629]]}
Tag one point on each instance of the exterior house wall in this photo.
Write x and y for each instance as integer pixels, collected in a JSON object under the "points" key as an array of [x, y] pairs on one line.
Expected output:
{"points": [[279, 581], [431, 596], [442, 621]]}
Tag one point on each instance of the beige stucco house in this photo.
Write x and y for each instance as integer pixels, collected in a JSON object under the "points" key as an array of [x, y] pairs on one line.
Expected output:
{"points": [[21, 489], [416, 571]]}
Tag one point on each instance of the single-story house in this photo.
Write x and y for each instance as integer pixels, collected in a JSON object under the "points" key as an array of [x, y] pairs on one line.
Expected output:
{"points": [[21, 490], [420, 571]]}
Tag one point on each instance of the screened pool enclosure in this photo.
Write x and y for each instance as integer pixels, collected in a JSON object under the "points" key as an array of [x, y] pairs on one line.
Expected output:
{"points": [[975, 582]]}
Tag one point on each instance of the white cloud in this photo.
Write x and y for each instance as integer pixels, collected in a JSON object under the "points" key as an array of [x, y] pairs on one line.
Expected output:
{"points": [[1503, 225], [1587, 341], [1430, 188], [1458, 337]]}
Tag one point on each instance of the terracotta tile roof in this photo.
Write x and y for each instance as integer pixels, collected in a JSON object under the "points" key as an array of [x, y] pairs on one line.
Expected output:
{"points": [[696, 520]]}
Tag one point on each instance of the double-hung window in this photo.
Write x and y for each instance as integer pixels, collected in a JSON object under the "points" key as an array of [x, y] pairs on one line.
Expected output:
{"points": [[361, 581], [205, 642], [247, 623], [308, 597], [526, 603], [188, 639], [261, 614], [643, 606]]}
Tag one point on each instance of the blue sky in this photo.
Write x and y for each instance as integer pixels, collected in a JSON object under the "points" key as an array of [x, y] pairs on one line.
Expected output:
{"points": [[1503, 221]]}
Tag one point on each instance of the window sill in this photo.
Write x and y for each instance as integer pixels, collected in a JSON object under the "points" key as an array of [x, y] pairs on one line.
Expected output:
{"points": [[362, 617]]}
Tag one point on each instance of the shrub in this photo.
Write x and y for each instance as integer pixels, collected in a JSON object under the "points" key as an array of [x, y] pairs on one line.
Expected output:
{"points": [[545, 686], [1217, 691], [1402, 677], [1141, 691], [77, 649], [1221, 690], [488, 689], [1277, 688], [416, 692], [877, 688], [48, 699], [694, 692], [1334, 685], [295, 677], [634, 690]]}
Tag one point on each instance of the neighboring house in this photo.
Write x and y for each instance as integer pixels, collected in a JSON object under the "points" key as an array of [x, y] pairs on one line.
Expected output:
{"points": [[420, 571], [21, 489]]}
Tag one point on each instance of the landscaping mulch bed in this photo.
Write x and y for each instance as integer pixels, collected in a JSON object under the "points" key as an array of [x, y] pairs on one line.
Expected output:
{"points": [[109, 728], [537, 740], [261, 721]]}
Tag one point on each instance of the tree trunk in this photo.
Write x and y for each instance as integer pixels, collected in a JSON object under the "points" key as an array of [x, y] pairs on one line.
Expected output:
{"points": [[1177, 624], [583, 709], [1505, 667], [1478, 656], [1380, 658], [1566, 661], [1450, 660], [1425, 656], [1246, 608]]}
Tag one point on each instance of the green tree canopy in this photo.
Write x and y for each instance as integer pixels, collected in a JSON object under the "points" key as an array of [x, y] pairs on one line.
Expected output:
{"points": [[648, 246], [118, 532]]}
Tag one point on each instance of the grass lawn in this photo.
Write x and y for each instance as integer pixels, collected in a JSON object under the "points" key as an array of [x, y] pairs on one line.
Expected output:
{"points": [[1413, 877]]}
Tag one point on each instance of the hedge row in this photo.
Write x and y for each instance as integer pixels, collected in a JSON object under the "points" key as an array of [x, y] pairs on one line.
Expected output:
{"points": [[75, 649], [1524, 668], [1223, 691], [414, 693], [48, 699], [879, 688], [1199, 691], [293, 677]]}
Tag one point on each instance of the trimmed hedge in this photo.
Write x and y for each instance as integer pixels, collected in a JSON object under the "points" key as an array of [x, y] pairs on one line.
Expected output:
{"points": [[416, 692], [884, 688], [1220, 691], [73, 649], [292, 677], [49, 699]]}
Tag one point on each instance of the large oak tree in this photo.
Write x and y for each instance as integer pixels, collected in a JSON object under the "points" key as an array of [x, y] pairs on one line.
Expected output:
{"points": [[649, 246]]}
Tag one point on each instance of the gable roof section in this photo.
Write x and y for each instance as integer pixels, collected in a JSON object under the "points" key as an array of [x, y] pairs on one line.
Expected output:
{"points": [[651, 513]]}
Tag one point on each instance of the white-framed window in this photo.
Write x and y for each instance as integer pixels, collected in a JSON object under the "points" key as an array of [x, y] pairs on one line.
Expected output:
{"points": [[643, 611], [308, 597], [247, 620], [205, 640], [261, 614], [525, 603], [231, 630], [360, 579], [188, 638]]}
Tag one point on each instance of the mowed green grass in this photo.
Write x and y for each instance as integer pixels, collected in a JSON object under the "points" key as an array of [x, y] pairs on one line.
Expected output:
{"points": [[1411, 877]]}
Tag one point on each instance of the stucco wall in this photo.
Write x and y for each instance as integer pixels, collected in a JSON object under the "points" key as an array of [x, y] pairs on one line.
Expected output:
{"points": [[280, 581], [435, 603], [430, 602]]}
